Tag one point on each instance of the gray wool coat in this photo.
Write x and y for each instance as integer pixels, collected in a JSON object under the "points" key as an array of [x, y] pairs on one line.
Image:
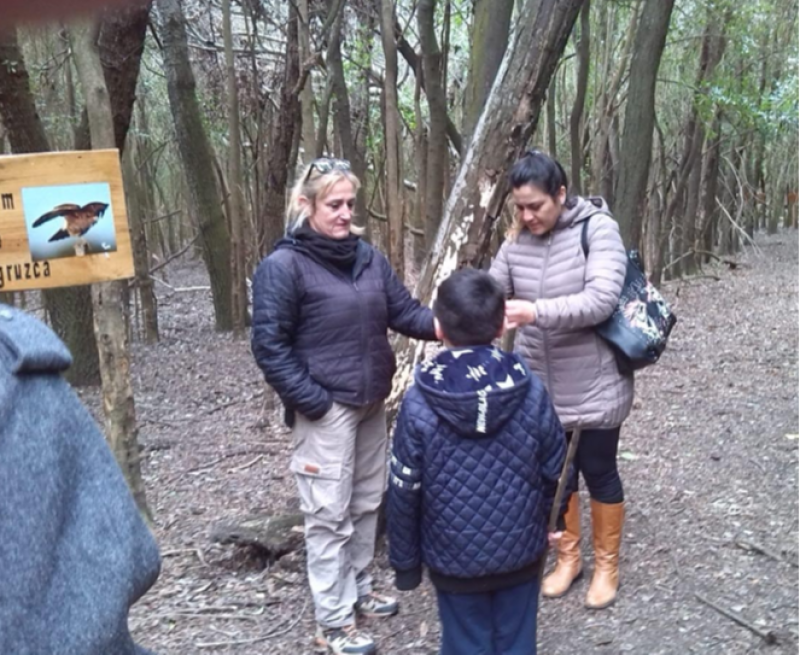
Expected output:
{"points": [[74, 552], [571, 294]]}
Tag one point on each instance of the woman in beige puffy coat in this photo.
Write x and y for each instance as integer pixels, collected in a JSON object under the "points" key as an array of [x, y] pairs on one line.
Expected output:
{"points": [[558, 294]]}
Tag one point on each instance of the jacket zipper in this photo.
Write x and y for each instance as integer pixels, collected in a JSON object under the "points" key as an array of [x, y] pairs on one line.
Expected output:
{"points": [[365, 359], [544, 332]]}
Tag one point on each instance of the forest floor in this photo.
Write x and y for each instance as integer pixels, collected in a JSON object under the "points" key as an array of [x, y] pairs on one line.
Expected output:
{"points": [[709, 459]]}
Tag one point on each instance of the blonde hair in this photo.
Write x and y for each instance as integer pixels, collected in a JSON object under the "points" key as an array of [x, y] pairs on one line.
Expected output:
{"points": [[314, 188]]}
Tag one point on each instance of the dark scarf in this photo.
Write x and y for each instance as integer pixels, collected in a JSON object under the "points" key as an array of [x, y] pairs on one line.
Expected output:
{"points": [[341, 253]]}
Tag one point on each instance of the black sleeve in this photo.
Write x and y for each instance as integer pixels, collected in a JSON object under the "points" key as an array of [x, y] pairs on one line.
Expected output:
{"points": [[406, 314], [275, 322]]}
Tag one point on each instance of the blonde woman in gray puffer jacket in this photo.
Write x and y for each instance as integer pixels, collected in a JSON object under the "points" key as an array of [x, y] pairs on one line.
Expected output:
{"points": [[558, 294]]}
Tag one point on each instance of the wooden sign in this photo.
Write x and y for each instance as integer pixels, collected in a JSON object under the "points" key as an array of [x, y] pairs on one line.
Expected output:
{"points": [[62, 220]]}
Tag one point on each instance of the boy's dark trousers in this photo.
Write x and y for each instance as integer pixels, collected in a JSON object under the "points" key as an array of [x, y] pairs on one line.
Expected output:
{"points": [[494, 623]]}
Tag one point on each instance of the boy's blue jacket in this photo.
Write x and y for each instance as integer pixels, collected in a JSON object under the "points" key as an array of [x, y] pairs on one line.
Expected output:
{"points": [[477, 453]]}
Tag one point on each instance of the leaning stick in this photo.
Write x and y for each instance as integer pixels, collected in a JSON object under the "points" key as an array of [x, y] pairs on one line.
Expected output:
{"points": [[562, 485]]}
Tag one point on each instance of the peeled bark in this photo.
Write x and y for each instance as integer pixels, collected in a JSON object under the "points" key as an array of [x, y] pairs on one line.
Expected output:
{"points": [[501, 136]]}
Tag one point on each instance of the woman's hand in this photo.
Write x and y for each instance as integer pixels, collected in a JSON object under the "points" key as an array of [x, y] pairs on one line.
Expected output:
{"points": [[518, 313], [553, 538]]}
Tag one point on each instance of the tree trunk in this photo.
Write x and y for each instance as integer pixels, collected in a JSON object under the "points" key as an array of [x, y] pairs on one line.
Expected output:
{"points": [[197, 157], [307, 94], [271, 223], [121, 44], [488, 42], [711, 52], [552, 140], [405, 49], [421, 153], [501, 136], [236, 219], [576, 116], [108, 297], [437, 114], [391, 130], [342, 115], [69, 309], [637, 136], [709, 185], [139, 246]]}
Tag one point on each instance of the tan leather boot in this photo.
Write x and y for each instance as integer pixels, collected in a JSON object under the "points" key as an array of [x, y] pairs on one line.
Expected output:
{"points": [[568, 565], [607, 523]]}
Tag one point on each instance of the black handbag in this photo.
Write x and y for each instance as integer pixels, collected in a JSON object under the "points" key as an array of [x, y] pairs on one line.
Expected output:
{"points": [[638, 329]]}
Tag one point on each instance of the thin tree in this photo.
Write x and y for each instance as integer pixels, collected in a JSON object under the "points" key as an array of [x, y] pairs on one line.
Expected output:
{"points": [[236, 220], [637, 136], [197, 156], [488, 41], [391, 131], [576, 116], [108, 297], [284, 132], [432, 69]]}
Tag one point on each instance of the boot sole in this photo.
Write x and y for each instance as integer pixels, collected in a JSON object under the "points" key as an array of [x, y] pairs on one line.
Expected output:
{"points": [[322, 647], [566, 591]]}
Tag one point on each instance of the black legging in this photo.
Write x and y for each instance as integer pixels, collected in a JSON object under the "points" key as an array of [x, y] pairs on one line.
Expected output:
{"points": [[596, 459]]}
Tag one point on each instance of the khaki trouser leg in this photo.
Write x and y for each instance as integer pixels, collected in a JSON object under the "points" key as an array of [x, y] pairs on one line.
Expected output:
{"points": [[369, 483], [325, 461]]}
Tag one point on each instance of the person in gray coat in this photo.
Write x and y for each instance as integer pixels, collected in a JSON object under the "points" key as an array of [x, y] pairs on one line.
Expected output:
{"points": [[559, 294], [74, 552]]}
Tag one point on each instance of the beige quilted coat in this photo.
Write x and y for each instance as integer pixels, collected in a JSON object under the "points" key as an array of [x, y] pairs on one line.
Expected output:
{"points": [[571, 294]]}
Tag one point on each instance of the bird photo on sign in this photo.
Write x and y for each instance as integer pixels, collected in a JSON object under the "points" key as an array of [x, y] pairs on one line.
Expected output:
{"points": [[73, 220]]}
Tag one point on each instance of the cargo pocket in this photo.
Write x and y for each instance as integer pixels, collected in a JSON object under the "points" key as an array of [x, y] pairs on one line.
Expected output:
{"points": [[321, 489]]}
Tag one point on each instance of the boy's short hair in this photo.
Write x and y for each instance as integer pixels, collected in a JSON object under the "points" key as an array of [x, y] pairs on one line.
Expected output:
{"points": [[470, 306]]}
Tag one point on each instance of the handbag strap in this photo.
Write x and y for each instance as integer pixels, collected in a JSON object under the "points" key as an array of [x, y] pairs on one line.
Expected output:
{"points": [[585, 231]]}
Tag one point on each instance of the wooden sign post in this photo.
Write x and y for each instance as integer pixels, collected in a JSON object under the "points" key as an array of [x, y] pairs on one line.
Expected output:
{"points": [[62, 220]]}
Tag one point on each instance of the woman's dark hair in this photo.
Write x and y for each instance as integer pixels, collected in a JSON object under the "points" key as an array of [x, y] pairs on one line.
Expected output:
{"points": [[539, 170]]}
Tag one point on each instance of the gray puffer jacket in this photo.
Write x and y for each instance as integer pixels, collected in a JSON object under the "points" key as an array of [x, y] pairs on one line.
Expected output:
{"points": [[571, 293], [74, 552]]}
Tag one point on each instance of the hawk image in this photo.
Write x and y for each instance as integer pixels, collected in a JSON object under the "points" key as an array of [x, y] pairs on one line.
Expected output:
{"points": [[77, 221]]}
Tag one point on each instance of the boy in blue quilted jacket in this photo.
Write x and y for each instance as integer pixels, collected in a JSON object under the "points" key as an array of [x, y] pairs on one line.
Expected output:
{"points": [[477, 453]]}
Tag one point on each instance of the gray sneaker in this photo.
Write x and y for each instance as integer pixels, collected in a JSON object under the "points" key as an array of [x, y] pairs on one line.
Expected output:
{"points": [[376, 606], [346, 640]]}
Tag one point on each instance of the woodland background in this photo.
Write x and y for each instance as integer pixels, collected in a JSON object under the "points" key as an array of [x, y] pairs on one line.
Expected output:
{"points": [[682, 114]]}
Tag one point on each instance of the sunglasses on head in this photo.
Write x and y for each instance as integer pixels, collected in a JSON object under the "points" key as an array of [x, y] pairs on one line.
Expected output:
{"points": [[325, 165]]}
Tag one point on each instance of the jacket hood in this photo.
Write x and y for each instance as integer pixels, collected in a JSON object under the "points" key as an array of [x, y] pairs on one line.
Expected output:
{"points": [[582, 209], [476, 389]]}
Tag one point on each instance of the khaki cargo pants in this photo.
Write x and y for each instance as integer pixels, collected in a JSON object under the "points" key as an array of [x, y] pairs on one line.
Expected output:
{"points": [[339, 463]]}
